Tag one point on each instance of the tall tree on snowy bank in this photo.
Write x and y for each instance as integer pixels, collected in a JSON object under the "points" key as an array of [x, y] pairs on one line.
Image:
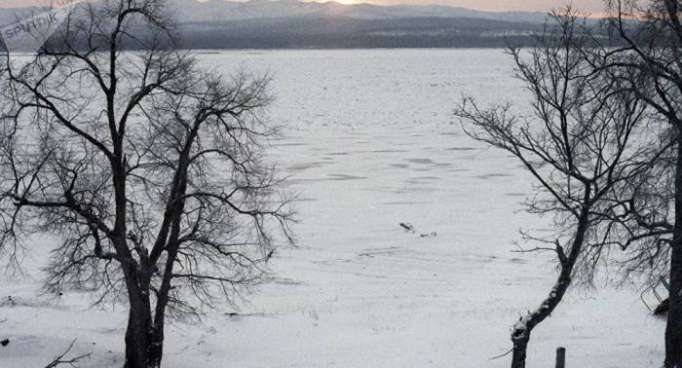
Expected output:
{"points": [[584, 142], [148, 168], [653, 54]]}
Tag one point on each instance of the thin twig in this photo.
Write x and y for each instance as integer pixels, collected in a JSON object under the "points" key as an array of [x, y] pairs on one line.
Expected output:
{"points": [[73, 362]]}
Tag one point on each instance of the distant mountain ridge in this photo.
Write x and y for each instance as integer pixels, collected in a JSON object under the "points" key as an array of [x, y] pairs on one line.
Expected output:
{"points": [[218, 24], [221, 24], [342, 32], [221, 10]]}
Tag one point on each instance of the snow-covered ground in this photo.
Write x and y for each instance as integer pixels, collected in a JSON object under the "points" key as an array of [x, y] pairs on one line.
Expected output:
{"points": [[370, 142]]}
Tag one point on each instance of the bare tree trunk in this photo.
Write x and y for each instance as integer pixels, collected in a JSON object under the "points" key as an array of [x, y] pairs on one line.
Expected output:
{"points": [[520, 340], [157, 330], [145, 332], [156, 347], [156, 336], [522, 329], [673, 332], [138, 337]]}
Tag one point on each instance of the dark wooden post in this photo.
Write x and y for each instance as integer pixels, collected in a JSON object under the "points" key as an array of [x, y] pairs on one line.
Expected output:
{"points": [[561, 357]]}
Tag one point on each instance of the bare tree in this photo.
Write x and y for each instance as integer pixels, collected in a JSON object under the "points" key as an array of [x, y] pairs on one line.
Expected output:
{"points": [[653, 54], [586, 138], [150, 169]]}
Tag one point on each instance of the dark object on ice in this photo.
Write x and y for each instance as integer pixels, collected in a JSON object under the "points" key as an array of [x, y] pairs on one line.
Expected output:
{"points": [[407, 226], [4, 342], [662, 308], [9, 301]]}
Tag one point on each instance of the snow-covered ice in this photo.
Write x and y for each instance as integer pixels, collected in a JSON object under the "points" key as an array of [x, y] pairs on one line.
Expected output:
{"points": [[369, 142]]}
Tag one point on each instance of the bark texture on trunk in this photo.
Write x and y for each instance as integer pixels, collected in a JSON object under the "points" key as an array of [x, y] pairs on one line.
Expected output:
{"points": [[156, 347], [673, 332], [520, 340], [144, 342], [138, 336], [144, 334]]}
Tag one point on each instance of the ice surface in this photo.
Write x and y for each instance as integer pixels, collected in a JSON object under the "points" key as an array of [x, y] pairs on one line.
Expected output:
{"points": [[370, 142]]}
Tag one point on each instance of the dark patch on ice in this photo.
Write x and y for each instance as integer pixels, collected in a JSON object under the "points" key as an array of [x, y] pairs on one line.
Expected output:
{"points": [[291, 144], [515, 194], [286, 281], [306, 200], [485, 259], [465, 149], [453, 134], [400, 166], [476, 258], [388, 151], [390, 251], [343, 177], [339, 153], [330, 177], [493, 176], [407, 226], [238, 316], [305, 166], [421, 161], [423, 189], [421, 179]]}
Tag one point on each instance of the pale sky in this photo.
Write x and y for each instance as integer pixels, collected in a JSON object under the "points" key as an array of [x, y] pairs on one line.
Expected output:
{"points": [[498, 5]]}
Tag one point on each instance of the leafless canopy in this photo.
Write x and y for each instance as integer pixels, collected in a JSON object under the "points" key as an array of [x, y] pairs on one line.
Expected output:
{"points": [[149, 169], [651, 55], [585, 141]]}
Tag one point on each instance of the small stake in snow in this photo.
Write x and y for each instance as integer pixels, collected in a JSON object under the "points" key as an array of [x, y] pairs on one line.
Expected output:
{"points": [[561, 357]]}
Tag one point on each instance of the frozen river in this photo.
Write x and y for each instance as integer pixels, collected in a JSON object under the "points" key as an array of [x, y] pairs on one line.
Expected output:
{"points": [[369, 141]]}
